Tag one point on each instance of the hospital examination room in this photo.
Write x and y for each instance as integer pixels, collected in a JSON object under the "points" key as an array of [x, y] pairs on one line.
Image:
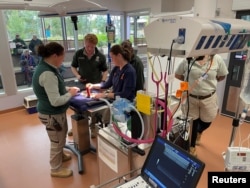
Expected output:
{"points": [[122, 94]]}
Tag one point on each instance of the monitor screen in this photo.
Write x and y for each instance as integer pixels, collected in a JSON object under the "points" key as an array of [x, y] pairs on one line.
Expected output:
{"points": [[168, 165]]}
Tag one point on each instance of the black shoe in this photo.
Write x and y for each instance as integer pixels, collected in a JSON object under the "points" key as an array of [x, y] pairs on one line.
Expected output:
{"points": [[138, 150]]}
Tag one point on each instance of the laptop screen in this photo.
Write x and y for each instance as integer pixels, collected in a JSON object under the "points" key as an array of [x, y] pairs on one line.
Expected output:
{"points": [[168, 165]]}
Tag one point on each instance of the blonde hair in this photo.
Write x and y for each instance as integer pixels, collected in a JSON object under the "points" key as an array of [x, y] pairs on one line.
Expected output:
{"points": [[92, 38]]}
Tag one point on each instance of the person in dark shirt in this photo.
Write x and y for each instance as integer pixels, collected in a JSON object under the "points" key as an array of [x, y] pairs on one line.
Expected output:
{"points": [[89, 64], [121, 81], [122, 78], [20, 45], [137, 64], [34, 43]]}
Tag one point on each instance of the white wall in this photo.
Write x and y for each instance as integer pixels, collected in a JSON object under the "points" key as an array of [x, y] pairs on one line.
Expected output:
{"points": [[133, 5], [225, 8], [167, 6], [180, 5], [114, 5], [241, 5]]}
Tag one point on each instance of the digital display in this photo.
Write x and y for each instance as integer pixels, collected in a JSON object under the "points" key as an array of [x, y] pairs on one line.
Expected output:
{"points": [[242, 55]]}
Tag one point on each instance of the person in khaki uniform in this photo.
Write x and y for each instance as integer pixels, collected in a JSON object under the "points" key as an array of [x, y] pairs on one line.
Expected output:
{"points": [[53, 101], [203, 76]]}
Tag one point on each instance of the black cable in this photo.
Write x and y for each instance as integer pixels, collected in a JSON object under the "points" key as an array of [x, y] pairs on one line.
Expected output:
{"points": [[166, 86], [170, 57], [190, 64]]}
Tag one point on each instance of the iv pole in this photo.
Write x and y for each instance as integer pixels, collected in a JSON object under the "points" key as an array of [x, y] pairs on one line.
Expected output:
{"points": [[235, 125], [109, 23]]}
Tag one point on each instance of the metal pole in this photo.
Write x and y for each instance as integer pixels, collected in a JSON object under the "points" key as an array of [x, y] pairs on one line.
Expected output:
{"points": [[109, 23]]}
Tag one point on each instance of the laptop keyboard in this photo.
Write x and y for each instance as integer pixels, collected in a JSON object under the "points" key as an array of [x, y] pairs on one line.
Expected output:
{"points": [[134, 183]]}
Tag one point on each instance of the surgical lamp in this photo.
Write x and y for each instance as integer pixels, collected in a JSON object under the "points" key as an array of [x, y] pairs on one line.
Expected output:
{"points": [[195, 36]]}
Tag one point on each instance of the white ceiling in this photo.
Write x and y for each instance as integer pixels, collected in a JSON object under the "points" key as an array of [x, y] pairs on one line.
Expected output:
{"points": [[61, 7]]}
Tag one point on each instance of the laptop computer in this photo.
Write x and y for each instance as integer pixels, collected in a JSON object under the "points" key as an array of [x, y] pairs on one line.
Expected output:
{"points": [[167, 165]]}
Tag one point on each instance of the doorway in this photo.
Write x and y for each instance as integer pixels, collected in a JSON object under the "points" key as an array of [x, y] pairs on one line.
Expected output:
{"points": [[232, 103]]}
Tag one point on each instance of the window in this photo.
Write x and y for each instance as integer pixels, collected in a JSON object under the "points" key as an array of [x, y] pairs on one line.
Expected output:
{"points": [[60, 29], [137, 22]]}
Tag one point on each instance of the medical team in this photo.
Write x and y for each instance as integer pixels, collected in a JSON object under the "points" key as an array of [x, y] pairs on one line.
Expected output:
{"points": [[89, 66], [126, 77]]}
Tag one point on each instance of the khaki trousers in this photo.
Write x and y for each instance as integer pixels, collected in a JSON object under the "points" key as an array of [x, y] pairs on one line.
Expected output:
{"points": [[57, 128]]}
